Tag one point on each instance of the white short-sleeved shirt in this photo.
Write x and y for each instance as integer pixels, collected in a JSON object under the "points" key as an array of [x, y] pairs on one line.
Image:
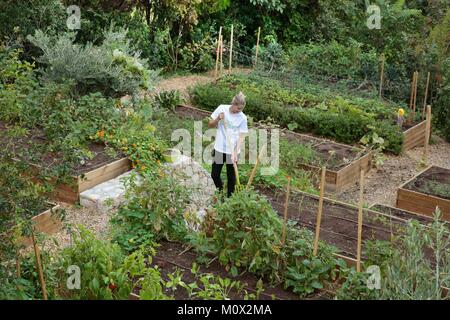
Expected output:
{"points": [[236, 125]]}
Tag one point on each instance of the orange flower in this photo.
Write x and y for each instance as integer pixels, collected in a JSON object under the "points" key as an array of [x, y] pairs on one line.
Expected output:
{"points": [[101, 134], [134, 145]]}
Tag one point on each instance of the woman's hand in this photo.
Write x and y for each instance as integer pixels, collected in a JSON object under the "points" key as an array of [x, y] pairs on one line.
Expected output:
{"points": [[213, 123]]}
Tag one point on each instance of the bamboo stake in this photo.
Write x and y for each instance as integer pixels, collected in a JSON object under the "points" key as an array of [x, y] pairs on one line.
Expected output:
{"points": [[221, 54], [39, 266], [231, 51], [412, 90], [415, 95], [425, 97], [18, 271], [320, 209], [253, 173], [427, 135], [257, 46], [286, 206], [382, 75], [217, 53], [360, 218]]}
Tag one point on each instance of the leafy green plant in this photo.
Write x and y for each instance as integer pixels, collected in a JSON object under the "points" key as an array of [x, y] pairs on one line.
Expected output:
{"points": [[100, 263], [437, 188], [153, 211], [247, 235], [112, 68], [149, 279], [168, 99]]}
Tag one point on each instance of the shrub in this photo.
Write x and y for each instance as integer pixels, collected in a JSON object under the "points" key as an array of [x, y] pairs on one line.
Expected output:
{"points": [[334, 60], [154, 211], [247, 235], [442, 110], [100, 263], [168, 99], [106, 273], [112, 68]]}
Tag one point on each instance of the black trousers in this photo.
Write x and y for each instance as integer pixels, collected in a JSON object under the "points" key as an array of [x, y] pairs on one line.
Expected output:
{"points": [[219, 159]]}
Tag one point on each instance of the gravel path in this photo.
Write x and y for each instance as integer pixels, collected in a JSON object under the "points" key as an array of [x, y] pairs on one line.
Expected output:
{"points": [[381, 185]]}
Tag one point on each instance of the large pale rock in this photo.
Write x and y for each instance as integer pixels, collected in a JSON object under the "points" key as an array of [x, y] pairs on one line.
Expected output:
{"points": [[110, 194]]}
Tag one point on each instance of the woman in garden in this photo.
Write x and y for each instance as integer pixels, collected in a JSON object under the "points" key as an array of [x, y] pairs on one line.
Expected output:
{"points": [[231, 123]]}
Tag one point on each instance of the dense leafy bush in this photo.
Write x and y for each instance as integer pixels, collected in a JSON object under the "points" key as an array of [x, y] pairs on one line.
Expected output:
{"points": [[335, 61], [441, 108], [106, 273], [112, 68], [154, 211], [340, 118], [22, 17], [247, 234]]}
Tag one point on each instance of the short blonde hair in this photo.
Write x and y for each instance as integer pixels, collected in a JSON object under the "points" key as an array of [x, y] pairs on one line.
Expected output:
{"points": [[239, 100]]}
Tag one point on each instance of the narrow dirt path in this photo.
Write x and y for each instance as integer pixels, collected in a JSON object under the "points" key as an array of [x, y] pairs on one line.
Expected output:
{"points": [[182, 83]]}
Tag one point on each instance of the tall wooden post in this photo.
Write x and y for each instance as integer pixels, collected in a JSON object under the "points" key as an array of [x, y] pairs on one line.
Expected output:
{"points": [[415, 95], [257, 46], [39, 266], [381, 75], [427, 135], [221, 54], [360, 219], [425, 97], [320, 209], [218, 52], [412, 91], [286, 207], [231, 51]]}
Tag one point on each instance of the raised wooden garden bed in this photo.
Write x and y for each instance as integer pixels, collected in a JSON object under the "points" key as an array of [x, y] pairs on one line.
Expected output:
{"points": [[171, 256], [339, 225], [426, 191], [85, 175], [48, 222], [70, 192], [343, 168], [414, 136]]}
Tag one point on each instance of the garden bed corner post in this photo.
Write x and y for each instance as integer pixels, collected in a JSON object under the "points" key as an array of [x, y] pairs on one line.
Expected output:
{"points": [[427, 135]]}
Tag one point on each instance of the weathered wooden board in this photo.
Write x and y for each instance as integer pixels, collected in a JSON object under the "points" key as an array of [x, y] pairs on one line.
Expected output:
{"points": [[422, 203], [414, 136], [48, 222]]}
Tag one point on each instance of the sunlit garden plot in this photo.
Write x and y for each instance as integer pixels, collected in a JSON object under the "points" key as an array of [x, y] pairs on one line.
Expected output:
{"points": [[220, 150]]}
